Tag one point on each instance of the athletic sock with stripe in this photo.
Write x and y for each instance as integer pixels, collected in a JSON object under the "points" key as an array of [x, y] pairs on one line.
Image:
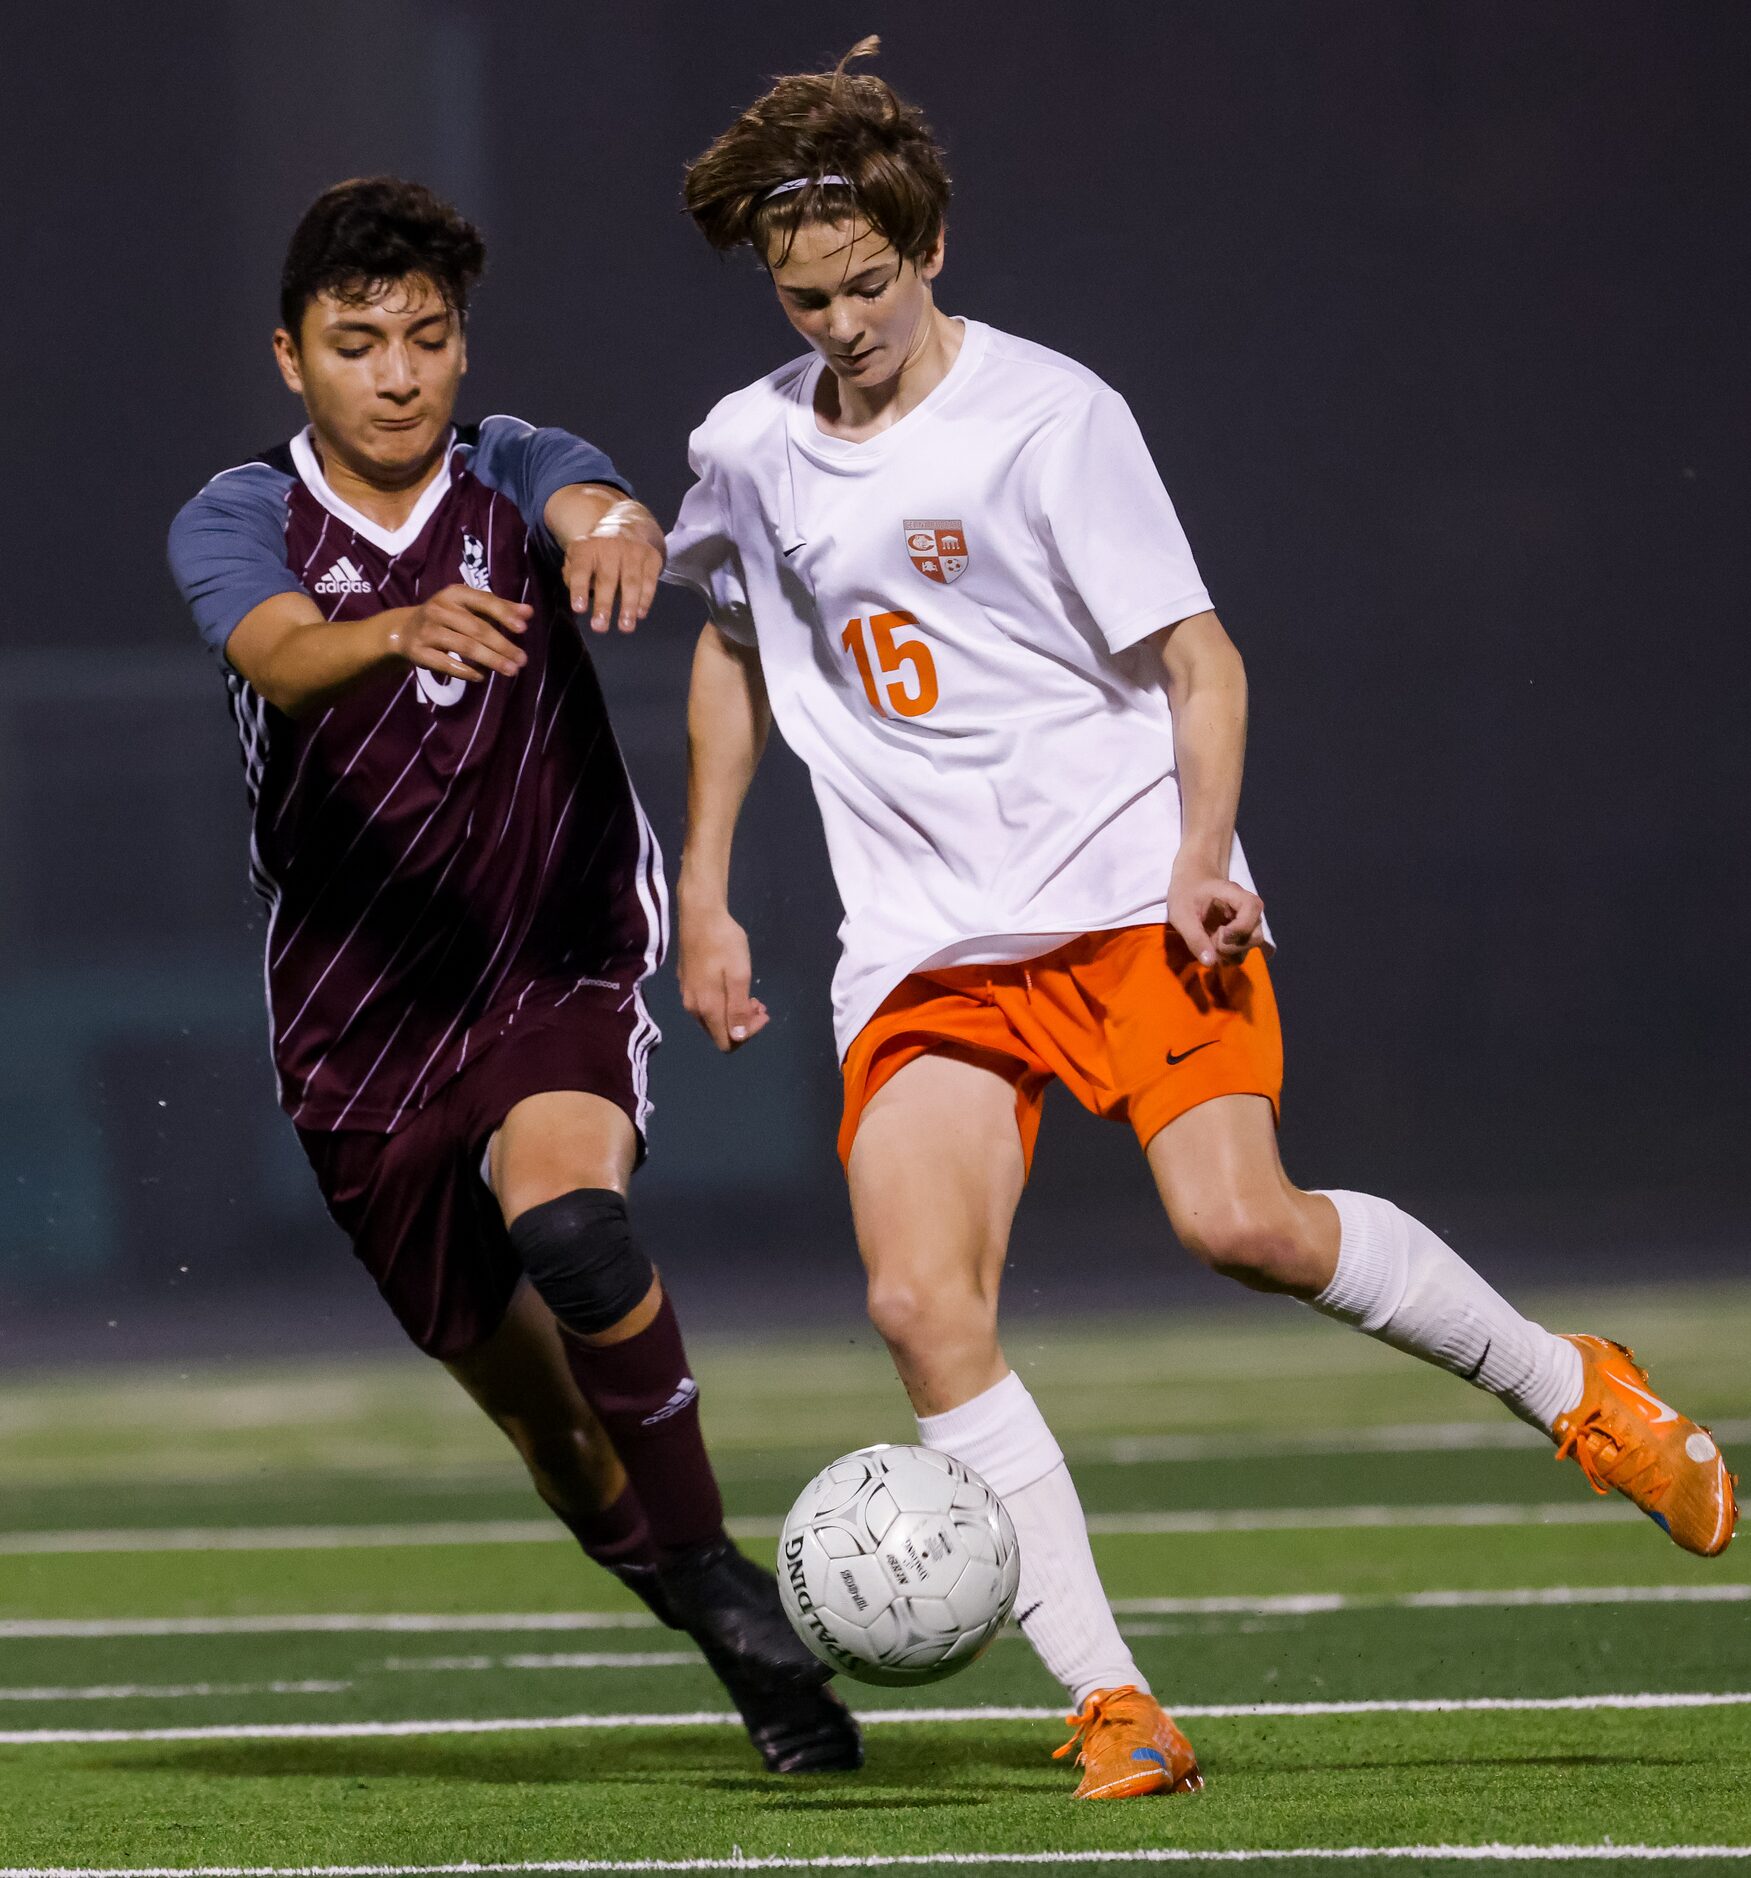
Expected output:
{"points": [[644, 1395], [1061, 1607], [1399, 1282]]}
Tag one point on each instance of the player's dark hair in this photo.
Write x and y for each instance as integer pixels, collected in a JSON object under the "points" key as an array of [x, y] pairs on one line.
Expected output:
{"points": [[812, 124], [357, 238]]}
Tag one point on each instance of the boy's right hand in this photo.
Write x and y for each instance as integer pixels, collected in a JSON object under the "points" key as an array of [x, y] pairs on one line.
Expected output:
{"points": [[460, 632]]}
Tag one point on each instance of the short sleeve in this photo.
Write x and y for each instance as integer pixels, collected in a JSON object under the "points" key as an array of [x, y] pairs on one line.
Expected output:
{"points": [[227, 549], [703, 554], [1111, 525], [528, 465]]}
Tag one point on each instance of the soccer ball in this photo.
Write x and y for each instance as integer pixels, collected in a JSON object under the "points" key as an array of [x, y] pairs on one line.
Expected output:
{"points": [[897, 1565]]}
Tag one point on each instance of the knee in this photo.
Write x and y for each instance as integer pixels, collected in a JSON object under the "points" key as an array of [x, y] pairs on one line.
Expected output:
{"points": [[914, 1318], [1257, 1246], [580, 1255]]}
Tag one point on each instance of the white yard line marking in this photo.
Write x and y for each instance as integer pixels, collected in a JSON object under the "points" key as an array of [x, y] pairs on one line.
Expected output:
{"points": [[167, 1691], [463, 1623], [1496, 1852], [286, 1538], [1578, 1594], [546, 1531], [1405, 1438], [701, 1718], [564, 1659], [339, 1623], [1343, 1518], [1318, 1603]]}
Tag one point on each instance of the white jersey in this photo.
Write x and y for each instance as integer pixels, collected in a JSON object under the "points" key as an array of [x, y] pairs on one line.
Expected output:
{"points": [[950, 619]]}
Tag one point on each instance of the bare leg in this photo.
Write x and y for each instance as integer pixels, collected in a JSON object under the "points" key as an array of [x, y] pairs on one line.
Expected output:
{"points": [[560, 1165], [936, 1173], [521, 1377], [554, 1144], [1353, 1257], [1233, 1207]]}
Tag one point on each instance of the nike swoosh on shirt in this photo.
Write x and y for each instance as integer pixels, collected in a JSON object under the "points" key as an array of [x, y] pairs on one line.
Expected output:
{"points": [[1193, 1051]]}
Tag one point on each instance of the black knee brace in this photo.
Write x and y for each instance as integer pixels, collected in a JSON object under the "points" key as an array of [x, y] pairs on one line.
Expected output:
{"points": [[580, 1255]]}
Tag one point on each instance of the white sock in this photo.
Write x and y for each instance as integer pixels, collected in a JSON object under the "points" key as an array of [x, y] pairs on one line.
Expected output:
{"points": [[1062, 1610], [1399, 1282]]}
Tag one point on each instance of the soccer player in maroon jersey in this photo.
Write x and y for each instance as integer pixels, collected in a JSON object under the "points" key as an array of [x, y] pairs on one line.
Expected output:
{"points": [[464, 899]]}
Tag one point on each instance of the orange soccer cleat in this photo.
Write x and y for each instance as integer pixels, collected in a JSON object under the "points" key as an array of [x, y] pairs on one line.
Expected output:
{"points": [[1622, 1435], [1130, 1747]]}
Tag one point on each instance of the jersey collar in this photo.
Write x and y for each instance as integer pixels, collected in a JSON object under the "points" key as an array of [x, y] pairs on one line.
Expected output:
{"points": [[840, 453], [392, 541]]}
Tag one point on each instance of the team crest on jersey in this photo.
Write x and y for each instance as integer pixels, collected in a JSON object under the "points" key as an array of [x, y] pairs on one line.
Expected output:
{"points": [[474, 569], [938, 550]]}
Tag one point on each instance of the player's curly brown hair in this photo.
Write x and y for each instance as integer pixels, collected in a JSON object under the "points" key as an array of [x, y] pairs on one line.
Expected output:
{"points": [[814, 124], [358, 236]]}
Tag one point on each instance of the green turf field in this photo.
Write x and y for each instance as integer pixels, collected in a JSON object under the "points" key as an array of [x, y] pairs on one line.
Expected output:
{"points": [[310, 1615]]}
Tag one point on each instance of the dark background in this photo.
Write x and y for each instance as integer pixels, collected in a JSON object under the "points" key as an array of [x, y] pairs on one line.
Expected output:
{"points": [[1432, 311]]}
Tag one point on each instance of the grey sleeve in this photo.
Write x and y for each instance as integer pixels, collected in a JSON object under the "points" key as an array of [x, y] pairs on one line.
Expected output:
{"points": [[528, 465], [228, 549]]}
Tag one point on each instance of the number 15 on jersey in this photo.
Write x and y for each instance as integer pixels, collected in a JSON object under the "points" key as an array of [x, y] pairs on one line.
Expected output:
{"points": [[902, 680]]}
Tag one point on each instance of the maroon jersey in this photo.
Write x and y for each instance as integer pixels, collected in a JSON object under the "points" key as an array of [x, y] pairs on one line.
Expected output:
{"points": [[441, 860]]}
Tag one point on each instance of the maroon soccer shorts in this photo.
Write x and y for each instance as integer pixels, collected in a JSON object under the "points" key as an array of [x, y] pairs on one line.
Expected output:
{"points": [[415, 1205]]}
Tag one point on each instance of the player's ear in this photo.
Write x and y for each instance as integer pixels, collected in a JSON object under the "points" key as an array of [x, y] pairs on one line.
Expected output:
{"points": [[931, 265], [286, 357]]}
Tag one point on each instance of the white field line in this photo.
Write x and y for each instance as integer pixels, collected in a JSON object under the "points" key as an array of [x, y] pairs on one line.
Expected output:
{"points": [[1493, 1853], [336, 1623], [1278, 1444], [465, 1623], [563, 1659], [1317, 1603], [700, 1718], [388, 1465], [547, 1531], [168, 1691], [1344, 1518]]}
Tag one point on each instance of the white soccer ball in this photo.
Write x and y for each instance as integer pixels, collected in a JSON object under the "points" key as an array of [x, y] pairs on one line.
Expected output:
{"points": [[897, 1565]]}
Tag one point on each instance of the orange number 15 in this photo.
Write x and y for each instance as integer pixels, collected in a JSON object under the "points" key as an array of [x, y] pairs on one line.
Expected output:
{"points": [[905, 697]]}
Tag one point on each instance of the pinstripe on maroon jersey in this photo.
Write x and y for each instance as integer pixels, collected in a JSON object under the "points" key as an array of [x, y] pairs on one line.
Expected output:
{"points": [[442, 860]]}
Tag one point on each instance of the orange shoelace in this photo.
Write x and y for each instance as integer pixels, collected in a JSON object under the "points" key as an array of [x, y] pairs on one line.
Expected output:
{"points": [[1089, 1717], [1629, 1465]]}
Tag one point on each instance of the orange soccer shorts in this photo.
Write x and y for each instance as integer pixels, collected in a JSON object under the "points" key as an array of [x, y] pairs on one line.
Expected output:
{"points": [[1132, 1026]]}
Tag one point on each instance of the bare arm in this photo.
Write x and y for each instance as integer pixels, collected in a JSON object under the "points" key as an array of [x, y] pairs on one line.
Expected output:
{"points": [[727, 724], [298, 660], [1206, 687]]}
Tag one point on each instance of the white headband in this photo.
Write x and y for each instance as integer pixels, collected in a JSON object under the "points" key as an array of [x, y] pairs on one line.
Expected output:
{"points": [[806, 182]]}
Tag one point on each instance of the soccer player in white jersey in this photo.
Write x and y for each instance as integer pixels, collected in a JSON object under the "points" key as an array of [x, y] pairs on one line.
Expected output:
{"points": [[941, 558]]}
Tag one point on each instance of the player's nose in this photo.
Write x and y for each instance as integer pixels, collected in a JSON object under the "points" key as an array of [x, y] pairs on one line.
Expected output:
{"points": [[396, 379]]}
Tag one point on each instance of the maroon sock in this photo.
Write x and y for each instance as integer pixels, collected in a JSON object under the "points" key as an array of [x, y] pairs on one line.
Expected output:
{"points": [[616, 1536], [645, 1397]]}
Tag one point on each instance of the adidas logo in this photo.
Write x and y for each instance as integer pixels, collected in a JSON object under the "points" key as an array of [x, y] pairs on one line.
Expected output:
{"points": [[688, 1390], [344, 577]]}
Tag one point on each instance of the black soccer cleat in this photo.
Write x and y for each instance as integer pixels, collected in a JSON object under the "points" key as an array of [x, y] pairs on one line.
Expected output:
{"points": [[796, 1731], [730, 1608]]}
